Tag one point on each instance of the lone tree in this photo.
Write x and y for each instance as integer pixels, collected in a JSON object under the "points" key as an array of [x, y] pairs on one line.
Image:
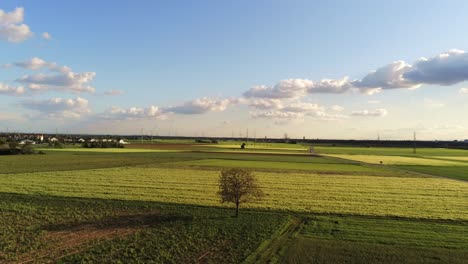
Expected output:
{"points": [[238, 186]]}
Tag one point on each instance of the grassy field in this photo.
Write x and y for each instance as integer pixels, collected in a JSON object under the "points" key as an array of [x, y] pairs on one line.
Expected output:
{"points": [[47, 228], [349, 239], [392, 151], [137, 204], [418, 197], [399, 160]]}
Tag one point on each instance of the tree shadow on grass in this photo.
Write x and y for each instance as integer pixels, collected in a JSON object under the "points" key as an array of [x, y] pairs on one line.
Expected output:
{"points": [[121, 221]]}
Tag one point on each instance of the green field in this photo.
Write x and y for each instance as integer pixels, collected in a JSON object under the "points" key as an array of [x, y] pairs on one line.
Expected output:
{"points": [[137, 204]]}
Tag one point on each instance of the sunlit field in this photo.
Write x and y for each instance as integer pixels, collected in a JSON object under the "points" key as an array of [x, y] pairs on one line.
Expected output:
{"points": [[139, 202]]}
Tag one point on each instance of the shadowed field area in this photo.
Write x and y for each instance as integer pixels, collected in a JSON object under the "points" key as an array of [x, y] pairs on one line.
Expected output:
{"points": [[137, 204]]}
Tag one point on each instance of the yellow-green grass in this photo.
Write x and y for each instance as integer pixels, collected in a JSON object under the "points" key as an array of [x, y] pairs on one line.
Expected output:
{"points": [[262, 144], [253, 151], [256, 146], [385, 151], [414, 197], [320, 166], [398, 160], [451, 158]]}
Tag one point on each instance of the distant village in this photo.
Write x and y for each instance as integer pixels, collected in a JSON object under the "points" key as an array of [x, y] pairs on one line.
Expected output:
{"points": [[39, 138], [26, 138]]}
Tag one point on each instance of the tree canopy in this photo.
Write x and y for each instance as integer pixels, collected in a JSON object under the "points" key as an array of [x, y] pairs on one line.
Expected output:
{"points": [[238, 186]]}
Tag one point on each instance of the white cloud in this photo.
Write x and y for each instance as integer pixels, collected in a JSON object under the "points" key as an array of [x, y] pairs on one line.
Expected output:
{"points": [[11, 27], [291, 88], [133, 113], [463, 90], [295, 88], [374, 113], [301, 107], [447, 68], [386, 77], [276, 115], [6, 89], [432, 104], [66, 81], [32, 64], [266, 104], [373, 102], [201, 105], [59, 108], [298, 110], [330, 86], [36, 63], [56, 77], [46, 36]]}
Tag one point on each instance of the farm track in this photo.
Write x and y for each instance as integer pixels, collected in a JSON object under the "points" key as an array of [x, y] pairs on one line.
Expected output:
{"points": [[271, 253]]}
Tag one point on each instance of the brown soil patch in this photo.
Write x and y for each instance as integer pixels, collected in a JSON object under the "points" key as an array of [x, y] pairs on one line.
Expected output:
{"points": [[67, 239], [65, 243]]}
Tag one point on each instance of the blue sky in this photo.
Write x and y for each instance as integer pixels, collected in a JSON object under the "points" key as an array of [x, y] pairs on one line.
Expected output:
{"points": [[190, 68]]}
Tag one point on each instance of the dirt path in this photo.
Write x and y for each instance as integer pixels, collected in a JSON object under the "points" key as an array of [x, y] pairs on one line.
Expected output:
{"points": [[271, 252]]}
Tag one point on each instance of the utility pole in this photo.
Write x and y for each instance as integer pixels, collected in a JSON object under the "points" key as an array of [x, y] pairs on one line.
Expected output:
{"points": [[255, 137], [414, 142]]}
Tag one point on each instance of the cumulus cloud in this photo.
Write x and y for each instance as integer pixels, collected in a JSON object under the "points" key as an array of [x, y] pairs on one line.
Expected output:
{"points": [[46, 36], [386, 77], [6, 89], [295, 88], [62, 78], [12, 28], [69, 81], [301, 107], [36, 63], [133, 113], [54, 77], [330, 86], [265, 104], [201, 105], [276, 115], [58, 108], [291, 88], [297, 110], [373, 113], [447, 68]]}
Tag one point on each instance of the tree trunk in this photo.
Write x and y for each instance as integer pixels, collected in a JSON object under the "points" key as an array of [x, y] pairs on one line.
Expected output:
{"points": [[237, 209]]}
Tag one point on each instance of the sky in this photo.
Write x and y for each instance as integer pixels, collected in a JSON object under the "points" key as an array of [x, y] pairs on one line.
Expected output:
{"points": [[313, 69]]}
